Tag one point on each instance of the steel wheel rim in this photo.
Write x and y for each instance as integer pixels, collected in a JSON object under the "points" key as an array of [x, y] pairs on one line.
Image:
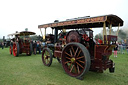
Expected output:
{"points": [[73, 60]]}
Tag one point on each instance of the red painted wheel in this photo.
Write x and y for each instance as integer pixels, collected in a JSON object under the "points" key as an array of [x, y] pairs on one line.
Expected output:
{"points": [[75, 59], [10, 49], [16, 49], [47, 56]]}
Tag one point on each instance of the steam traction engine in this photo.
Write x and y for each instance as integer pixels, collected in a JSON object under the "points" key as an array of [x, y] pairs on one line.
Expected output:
{"points": [[19, 45], [76, 50]]}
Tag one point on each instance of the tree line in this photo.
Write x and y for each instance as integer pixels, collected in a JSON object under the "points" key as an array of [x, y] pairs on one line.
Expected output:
{"points": [[122, 35]]}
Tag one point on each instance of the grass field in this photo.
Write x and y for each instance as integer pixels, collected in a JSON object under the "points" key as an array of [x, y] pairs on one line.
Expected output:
{"points": [[29, 70]]}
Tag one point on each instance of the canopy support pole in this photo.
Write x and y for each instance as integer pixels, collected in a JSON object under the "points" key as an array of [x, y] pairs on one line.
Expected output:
{"points": [[52, 31], [44, 33], [41, 32], [104, 33], [118, 29], [110, 28]]}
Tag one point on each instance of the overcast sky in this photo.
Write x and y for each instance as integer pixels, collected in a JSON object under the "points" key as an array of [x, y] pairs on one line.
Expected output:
{"points": [[16, 15]]}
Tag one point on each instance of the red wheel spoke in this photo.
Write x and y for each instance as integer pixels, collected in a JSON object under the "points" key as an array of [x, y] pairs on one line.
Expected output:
{"points": [[70, 65], [71, 68], [75, 69], [45, 52], [68, 54], [68, 58], [15, 49], [67, 62], [78, 53], [72, 49], [78, 69], [80, 65], [45, 59], [79, 57], [81, 61], [48, 61]]}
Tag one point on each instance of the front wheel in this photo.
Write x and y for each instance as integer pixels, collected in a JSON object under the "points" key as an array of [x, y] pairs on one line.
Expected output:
{"points": [[75, 60], [47, 57], [16, 49]]}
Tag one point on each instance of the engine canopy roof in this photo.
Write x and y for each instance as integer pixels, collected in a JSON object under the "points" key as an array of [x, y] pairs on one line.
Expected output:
{"points": [[86, 22]]}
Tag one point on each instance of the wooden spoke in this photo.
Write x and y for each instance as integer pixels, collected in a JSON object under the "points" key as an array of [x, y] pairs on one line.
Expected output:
{"points": [[72, 68], [72, 49], [48, 61], [75, 69], [67, 62], [48, 56], [45, 58], [15, 49], [78, 53], [68, 54], [46, 53], [70, 65], [78, 69], [68, 58], [79, 57], [80, 65], [81, 61]]}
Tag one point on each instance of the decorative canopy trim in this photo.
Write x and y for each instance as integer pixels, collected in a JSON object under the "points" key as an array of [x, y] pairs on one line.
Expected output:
{"points": [[113, 19]]}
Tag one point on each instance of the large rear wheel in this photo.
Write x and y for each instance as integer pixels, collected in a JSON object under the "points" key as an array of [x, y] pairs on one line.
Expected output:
{"points": [[47, 56], [75, 59], [16, 49]]}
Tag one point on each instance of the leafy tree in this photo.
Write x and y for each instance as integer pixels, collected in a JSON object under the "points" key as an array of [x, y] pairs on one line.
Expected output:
{"points": [[35, 37], [99, 36], [122, 34]]}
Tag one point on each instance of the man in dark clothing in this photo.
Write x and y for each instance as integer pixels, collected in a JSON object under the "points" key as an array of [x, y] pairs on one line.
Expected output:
{"points": [[39, 47], [127, 49], [2, 45], [35, 46]]}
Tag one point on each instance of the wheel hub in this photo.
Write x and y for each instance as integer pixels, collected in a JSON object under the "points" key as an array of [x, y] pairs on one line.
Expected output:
{"points": [[73, 60]]}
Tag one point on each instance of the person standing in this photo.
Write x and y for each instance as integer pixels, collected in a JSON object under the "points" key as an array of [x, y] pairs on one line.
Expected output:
{"points": [[39, 47], [2, 45], [35, 46], [127, 49], [122, 49], [115, 50]]}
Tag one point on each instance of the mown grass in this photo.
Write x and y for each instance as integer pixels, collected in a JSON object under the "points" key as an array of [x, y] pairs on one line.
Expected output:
{"points": [[29, 70]]}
